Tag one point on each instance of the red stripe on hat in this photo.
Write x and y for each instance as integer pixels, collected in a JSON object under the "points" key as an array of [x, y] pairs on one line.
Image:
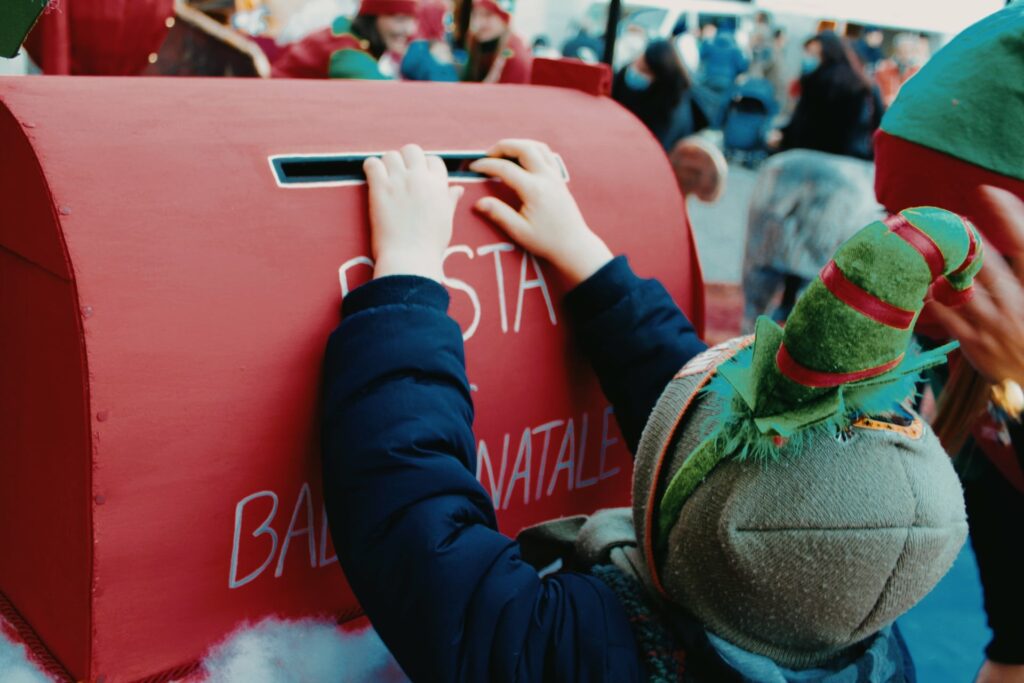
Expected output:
{"points": [[944, 293], [919, 240], [814, 378], [862, 301], [972, 250]]}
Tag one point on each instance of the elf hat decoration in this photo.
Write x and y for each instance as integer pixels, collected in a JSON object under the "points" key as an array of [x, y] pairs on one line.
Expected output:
{"points": [[783, 495], [504, 8], [378, 8]]}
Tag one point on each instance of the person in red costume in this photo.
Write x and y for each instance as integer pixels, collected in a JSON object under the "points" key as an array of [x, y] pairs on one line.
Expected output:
{"points": [[946, 141], [370, 46], [496, 54]]}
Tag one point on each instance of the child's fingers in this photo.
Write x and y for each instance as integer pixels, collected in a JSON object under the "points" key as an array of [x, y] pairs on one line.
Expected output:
{"points": [[375, 171], [507, 218], [550, 157], [393, 162], [413, 157], [528, 152], [437, 167], [509, 173], [455, 193]]}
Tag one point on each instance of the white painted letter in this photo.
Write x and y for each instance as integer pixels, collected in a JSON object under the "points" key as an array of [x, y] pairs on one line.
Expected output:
{"points": [[517, 473], [264, 528], [463, 287], [544, 429], [496, 249], [483, 459], [568, 447], [605, 443], [538, 283], [348, 265], [325, 533], [583, 483], [304, 494]]}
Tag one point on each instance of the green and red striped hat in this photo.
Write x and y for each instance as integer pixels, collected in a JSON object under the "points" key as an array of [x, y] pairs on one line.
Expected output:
{"points": [[855, 321], [845, 353], [775, 471], [956, 125]]}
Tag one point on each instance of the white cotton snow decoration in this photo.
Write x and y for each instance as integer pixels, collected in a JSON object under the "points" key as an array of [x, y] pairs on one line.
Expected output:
{"points": [[15, 666], [306, 651]]}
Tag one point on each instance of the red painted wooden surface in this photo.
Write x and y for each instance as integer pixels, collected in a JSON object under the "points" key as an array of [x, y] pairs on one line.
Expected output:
{"points": [[165, 307]]}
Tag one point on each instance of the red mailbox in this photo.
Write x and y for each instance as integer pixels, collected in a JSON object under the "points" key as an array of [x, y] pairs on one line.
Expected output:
{"points": [[173, 253]]}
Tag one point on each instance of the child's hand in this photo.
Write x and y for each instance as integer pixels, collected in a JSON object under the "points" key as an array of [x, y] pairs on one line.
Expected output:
{"points": [[411, 210], [549, 224]]}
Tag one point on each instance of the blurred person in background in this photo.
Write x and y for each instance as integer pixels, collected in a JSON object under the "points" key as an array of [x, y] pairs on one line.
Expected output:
{"points": [[951, 139], [496, 54], [777, 72], [585, 45], [708, 31], [906, 61], [687, 45], [371, 46], [869, 48], [657, 90], [630, 44], [979, 422], [721, 61], [542, 47], [838, 108], [762, 46], [431, 57]]}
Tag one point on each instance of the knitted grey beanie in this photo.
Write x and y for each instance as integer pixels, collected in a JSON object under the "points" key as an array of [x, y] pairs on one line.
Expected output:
{"points": [[800, 533]]}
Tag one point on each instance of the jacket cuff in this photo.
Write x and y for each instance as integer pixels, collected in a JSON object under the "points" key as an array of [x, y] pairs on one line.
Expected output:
{"points": [[410, 290], [602, 290]]}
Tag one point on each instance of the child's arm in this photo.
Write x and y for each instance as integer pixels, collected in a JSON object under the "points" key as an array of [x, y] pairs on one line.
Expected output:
{"points": [[632, 331], [414, 530]]}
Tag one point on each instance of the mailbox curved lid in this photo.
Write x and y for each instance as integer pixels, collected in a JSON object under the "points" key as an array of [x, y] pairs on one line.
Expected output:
{"points": [[210, 290]]}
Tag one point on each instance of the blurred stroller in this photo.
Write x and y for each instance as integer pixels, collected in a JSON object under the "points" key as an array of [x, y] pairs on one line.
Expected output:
{"points": [[747, 120]]}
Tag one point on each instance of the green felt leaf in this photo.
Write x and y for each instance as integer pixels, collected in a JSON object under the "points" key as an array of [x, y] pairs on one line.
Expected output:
{"points": [[686, 479], [788, 423]]}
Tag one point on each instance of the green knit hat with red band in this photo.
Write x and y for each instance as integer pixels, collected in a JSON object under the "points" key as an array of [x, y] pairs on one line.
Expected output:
{"points": [[378, 8], [845, 348], [784, 493], [957, 124], [505, 8]]}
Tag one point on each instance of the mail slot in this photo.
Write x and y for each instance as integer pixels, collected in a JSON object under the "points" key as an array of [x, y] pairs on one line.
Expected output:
{"points": [[165, 299]]}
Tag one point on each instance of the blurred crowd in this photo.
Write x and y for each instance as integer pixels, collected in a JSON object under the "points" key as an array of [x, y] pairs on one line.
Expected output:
{"points": [[414, 40], [709, 74]]}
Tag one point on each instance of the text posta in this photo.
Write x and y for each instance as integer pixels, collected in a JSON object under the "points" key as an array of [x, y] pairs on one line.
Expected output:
{"points": [[502, 257]]}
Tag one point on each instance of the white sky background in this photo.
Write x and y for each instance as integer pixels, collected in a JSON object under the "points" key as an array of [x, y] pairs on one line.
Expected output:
{"points": [[949, 17], [922, 15]]}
